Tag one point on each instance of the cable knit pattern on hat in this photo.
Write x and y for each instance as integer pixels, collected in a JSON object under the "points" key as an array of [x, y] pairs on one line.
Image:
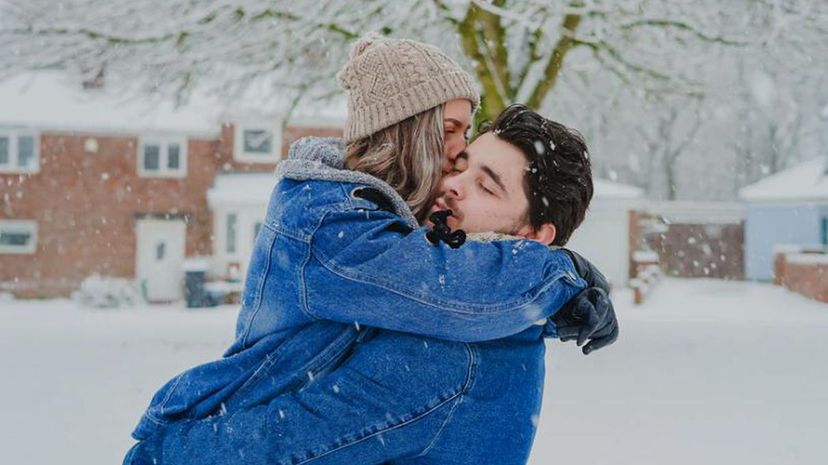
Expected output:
{"points": [[389, 80]]}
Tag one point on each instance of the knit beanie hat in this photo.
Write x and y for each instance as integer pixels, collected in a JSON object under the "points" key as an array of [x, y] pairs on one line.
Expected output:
{"points": [[389, 80]]}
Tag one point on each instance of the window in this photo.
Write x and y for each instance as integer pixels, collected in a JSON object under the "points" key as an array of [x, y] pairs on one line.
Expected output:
{"points": [[232, 219], [18, 237], [258, 143], [19, 152], [162, 157]]}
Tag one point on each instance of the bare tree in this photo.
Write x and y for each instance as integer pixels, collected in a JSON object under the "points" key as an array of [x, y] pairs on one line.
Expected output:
{"points": [[592, 64], [517, 49], [669, 139]]}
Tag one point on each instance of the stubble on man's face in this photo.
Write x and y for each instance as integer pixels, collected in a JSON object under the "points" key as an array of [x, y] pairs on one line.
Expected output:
{"points": [[485, 188]]}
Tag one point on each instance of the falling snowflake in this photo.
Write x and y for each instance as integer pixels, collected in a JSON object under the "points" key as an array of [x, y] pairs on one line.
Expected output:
{"points": [[539, 148]]}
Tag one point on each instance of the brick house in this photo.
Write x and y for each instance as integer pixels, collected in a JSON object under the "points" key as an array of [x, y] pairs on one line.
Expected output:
{"points": [[94, 184]]}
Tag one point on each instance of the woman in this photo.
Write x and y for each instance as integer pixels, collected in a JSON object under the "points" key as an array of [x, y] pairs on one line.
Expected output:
{"points": [[342, 245]]}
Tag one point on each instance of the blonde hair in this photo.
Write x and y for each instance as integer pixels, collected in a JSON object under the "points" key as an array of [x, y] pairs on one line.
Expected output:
{"points": [[407, 156]]}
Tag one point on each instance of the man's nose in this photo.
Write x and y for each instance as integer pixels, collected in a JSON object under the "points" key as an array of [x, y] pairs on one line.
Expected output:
{"points": [[452, 186]]}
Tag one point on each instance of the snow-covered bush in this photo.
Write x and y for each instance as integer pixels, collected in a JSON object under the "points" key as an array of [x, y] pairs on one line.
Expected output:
{"points": [[106, 292]]}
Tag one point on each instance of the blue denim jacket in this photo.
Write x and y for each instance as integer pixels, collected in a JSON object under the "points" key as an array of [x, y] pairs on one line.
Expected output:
{"points": [[328, 263], [399, 399]]}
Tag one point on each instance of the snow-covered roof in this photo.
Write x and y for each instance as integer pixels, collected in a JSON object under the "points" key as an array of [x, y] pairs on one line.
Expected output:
{"points": [[604, 189], [806, 181], [52, 100], [241, 189], [808, 258], [695, 212]]}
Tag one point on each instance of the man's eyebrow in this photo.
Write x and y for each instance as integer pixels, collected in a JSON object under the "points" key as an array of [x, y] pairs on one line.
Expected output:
{"points": [[495, 177]]}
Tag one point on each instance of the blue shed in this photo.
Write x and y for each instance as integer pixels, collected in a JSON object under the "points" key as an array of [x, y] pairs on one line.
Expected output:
{"points": [[789, 207]]}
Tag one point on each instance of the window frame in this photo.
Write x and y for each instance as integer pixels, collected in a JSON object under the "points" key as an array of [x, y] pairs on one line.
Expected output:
{"points": [[235, 233], [276, 132], [13, 166], [28, 249], [163, 143]]}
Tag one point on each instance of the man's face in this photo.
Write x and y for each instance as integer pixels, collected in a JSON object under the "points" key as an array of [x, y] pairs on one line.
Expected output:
{"points": [[456, 123], [485, 190]]}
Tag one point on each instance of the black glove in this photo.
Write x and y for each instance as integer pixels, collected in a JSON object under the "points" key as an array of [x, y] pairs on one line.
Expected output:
{"points": [[591, 274], [590, 315]]}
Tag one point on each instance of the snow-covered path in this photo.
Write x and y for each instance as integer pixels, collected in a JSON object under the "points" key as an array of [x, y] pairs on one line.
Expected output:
{"points": [[705, 372]]}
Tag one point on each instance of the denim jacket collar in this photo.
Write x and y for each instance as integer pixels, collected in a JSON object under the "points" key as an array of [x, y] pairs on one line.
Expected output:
{"points": [[323, 159]]}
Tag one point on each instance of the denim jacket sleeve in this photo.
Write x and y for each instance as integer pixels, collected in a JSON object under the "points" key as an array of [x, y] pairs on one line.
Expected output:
{"points": [[365, 267]]}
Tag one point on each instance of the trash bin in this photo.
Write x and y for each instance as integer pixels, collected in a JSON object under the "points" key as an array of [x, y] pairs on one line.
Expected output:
{"points": [[195, 277]]}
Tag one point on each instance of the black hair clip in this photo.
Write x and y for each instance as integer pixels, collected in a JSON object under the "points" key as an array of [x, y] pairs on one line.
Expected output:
{"points": [[441, 231]]}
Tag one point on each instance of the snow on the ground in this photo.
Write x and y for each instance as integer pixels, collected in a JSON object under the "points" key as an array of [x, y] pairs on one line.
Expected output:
{"points": [[74, 382], [706, 371]]}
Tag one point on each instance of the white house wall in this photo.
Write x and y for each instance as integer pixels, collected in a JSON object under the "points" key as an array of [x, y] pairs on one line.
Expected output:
{"points": [[247, 217], [603, 238]]}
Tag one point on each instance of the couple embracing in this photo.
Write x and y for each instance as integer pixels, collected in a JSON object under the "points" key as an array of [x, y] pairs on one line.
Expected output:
{"points": [[401, 287]]}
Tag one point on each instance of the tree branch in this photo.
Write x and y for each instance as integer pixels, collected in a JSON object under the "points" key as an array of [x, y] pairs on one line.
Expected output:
{"points": [[95, 35], [534, 57], [442, 7], [498, 56], [555, 63], [672, 23], [330, 27], [493, 101]]}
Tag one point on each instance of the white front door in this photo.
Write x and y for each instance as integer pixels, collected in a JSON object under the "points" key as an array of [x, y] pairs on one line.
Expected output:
{"points": [[160, 258]]}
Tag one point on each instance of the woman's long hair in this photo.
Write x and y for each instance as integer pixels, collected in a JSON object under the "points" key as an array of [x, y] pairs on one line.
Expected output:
{"points": [[407, 156]]}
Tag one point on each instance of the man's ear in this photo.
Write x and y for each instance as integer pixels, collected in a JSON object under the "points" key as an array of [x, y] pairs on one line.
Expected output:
{"points": [[546, 233]]}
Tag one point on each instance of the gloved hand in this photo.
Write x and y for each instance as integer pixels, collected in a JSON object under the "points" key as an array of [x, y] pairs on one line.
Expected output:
{"points": [[591, 274], [590, 315]]}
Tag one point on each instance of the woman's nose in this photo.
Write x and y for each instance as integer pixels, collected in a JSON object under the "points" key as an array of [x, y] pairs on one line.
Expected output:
{"points": [[453, 147]]}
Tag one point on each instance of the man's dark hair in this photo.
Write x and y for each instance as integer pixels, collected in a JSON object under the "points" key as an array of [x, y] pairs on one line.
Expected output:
{"points": [[558, 180]]}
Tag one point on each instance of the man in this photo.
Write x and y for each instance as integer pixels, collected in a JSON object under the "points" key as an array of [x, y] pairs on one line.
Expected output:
{"points": [[408, 399]]}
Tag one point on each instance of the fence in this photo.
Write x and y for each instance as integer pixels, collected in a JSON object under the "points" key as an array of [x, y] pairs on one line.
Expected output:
{"points": [[803, 270]]}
